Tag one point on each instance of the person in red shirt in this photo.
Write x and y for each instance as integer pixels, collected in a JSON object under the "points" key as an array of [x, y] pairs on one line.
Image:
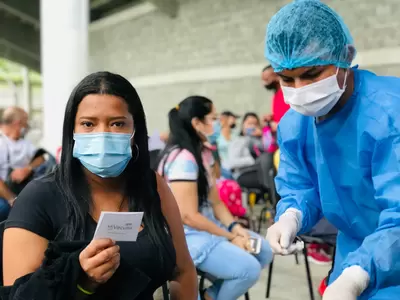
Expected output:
{"points": [[271, 82]]}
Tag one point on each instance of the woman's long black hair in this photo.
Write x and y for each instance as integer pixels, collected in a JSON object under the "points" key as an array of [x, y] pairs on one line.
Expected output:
{"points": [[184, 136], [141, 185]]}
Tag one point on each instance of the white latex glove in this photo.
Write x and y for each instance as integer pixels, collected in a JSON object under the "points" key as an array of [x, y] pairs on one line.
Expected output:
{"points": [[349, 285], [282, 234]]}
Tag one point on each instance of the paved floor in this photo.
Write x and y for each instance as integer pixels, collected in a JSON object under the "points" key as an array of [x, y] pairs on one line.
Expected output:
{"points": [[289, 281]]}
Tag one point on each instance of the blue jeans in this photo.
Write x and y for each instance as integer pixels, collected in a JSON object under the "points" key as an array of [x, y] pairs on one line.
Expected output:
{"points": [[4, 209], [237, 271]]}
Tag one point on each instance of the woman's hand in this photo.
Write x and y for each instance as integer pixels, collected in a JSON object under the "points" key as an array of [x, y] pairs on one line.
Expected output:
{"points": [[257, 132], [239, 230], [99, 260], [242, 242]]}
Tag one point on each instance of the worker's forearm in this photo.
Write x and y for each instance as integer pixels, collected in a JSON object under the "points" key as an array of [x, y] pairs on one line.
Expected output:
{"points": [[199, 222], [5, 192], [222, 213]]}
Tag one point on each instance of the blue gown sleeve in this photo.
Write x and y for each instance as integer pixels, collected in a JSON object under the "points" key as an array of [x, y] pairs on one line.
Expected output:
{"points": [[379, 254], [294, 185]]}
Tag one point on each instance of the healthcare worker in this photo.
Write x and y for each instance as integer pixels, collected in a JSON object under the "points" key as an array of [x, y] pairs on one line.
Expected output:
{"points": [[340, 151]]}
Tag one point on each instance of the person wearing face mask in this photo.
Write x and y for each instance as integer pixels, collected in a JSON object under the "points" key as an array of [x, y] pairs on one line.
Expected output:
{"points": [[242, 150], [227, 125], [18, 156], [217, 243], [339, 151], [48, 246], [270, 80]]}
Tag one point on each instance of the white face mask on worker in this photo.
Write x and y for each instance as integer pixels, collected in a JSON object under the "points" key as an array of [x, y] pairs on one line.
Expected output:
{"points": [[315, 99]]}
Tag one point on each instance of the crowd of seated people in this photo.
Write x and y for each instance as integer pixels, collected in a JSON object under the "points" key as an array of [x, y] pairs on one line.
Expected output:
{"points": [[20, 160], [206, 161], [214, 237]]}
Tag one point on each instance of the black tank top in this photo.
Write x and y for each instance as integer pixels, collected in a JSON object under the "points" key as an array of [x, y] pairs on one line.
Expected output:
{"points": [[40, 208]]}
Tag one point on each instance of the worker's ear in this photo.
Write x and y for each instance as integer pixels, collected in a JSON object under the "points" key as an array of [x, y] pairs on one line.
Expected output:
{"points": [[350, 53]]}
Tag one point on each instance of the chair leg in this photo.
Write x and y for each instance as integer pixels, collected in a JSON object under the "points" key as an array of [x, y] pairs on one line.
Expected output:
{"points": [[201, 284], [261, 218], [309, 280], [296, 257], [271, 266], [246, 296], [165, 291], [253, 223]]}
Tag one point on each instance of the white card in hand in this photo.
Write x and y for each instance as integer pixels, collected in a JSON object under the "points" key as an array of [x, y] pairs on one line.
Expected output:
{"points": [[118, 226]]}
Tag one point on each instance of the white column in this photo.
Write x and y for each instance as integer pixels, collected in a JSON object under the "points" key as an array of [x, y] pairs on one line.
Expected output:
{"points": [[64, 55], [26, 90]]}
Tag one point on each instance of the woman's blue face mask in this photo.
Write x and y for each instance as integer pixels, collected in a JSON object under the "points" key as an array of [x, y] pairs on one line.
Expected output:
{"points": [[104, 154], [249, 131], [212, 138]]}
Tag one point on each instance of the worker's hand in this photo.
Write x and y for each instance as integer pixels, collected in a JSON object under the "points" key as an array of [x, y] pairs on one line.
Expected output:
{"points": [[349, 285], [99, 260], [282, 234]]}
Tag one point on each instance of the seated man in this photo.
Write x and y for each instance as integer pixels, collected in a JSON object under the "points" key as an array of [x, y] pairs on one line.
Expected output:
{"points": [[270, 80], [16, 157]]}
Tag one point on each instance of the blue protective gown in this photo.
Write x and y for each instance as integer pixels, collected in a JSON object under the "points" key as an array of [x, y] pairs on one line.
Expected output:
{"points": [[347, 168]]}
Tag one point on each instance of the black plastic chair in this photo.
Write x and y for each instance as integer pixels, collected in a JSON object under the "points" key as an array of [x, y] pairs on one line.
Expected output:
{"points": [[273, 198], [209, 277], [165, 291], [261, 188]]}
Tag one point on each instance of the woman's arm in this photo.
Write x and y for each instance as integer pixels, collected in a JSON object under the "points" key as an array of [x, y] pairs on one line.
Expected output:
{"points": [[185, 285], [5, 193], [220, 210], [224, 215], [23, 253], [217, 169], [185, 194]]}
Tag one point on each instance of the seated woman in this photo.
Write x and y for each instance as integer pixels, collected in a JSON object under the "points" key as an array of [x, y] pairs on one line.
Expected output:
{"points": [[217, 244], [104, 167], [244, 150], [227, 124]]}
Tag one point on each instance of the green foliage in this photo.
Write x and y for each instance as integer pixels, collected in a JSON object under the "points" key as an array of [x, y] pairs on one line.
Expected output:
{"points": [[10, 71]]}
